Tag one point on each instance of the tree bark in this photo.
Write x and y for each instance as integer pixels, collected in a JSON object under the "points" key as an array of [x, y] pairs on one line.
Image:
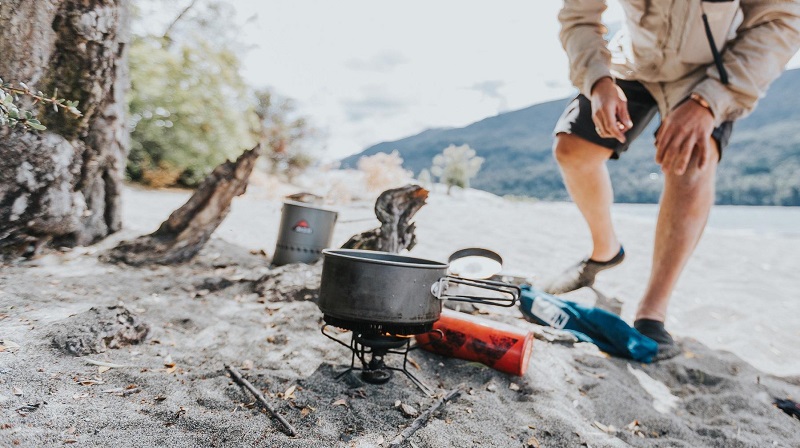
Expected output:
{"points": [[394, 208], [61, 187], [188, 228]]}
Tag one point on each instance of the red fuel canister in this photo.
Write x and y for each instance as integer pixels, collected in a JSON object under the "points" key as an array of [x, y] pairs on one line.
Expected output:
{"points": [[497, 345]]}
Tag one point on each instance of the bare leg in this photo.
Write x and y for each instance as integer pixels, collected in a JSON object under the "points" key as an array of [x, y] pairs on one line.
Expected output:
{"points": [[583, 167], [685, 205]]}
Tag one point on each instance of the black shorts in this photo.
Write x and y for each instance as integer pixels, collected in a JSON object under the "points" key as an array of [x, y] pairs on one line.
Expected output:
{"points": [[642, 107]]}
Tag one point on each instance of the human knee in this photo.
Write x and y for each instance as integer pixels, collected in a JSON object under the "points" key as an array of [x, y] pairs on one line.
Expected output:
{"points": [[574, 152], [566, 150], [692, 179], [694, 176]]}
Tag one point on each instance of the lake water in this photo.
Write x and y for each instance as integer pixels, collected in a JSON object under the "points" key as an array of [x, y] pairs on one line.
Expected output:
{"points": [[784, 221]]}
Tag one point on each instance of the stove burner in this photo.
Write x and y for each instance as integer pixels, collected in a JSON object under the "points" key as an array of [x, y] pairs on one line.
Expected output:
{"points": [[370, 349], [376, 372], [373, 327], [380, 342]]}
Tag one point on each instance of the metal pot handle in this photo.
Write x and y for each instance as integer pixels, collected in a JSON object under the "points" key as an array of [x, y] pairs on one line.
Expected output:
{"points": [[439, 290]]}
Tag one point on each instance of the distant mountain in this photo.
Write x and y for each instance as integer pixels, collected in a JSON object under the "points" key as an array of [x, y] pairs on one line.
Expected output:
{"points": [[760, 167]]}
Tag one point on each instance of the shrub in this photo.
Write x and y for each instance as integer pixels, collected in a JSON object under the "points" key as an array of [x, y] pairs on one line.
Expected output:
{"points": [[425, 179], [456, 165], [384, 171]]}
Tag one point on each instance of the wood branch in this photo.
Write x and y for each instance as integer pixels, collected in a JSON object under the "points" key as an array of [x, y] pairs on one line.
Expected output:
{"points": [[261, 399], [178, 19], [394, 209], [422, 420], [305, 197], [188, 228]]}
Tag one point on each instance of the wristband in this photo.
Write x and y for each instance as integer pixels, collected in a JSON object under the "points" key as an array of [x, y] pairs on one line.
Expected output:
{"points": [[697, 98]]}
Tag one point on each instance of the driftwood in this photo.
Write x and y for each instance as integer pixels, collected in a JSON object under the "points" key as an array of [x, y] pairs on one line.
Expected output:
{"points": [[305, 197], [394, 209], [261, 399], [188, 228], [424, 417]]}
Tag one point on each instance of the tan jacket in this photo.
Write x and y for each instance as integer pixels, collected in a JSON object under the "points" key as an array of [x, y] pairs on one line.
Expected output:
{"points": [[664, 45]]}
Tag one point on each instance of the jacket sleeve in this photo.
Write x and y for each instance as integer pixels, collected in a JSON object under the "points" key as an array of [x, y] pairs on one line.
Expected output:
{"points": [[582, 37], [766, 40]]}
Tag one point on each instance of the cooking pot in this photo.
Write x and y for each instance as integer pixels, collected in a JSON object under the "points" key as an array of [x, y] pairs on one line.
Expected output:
{"points": [[380, 292]]}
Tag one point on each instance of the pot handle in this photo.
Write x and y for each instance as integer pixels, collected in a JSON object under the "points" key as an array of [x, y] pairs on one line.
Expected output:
{"points": [[513, 292]]}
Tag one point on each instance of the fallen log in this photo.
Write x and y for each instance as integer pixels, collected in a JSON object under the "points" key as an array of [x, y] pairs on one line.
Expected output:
{"points": [[188, 228], [394, 208]]}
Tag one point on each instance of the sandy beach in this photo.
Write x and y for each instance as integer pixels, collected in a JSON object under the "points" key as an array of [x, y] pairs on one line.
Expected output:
{"points": [[734, 311]]}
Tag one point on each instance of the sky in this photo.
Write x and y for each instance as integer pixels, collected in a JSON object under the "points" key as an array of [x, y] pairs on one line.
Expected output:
{"points": [[367, 71]]}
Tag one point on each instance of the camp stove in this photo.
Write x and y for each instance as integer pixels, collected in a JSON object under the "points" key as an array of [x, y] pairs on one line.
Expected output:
{"points": [[385, 298], [370, 349]]}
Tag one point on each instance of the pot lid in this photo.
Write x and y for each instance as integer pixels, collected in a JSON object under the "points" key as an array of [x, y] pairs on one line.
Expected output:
{"points": [[309, 206], [384, 258], [475, 263]]}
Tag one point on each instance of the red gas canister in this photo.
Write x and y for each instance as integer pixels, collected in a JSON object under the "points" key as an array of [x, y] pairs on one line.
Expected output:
{"points": [[499, 346]]}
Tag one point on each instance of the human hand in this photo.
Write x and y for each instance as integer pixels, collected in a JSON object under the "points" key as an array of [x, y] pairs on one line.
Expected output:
{"points": [[610, 110], [685, 131]]}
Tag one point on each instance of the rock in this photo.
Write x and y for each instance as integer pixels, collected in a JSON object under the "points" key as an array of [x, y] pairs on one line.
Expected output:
{"points": [[611, 304], [99, 329], [408, 410], [290, 283], [213, 284]]}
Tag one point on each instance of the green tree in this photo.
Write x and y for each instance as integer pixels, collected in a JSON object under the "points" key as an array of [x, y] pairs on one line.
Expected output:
{"points": [[190, 107], [187, 113], [456, 165], [284, 133]]}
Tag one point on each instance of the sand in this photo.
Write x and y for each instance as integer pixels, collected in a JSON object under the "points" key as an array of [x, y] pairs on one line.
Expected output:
{"points": [[735, 312]]}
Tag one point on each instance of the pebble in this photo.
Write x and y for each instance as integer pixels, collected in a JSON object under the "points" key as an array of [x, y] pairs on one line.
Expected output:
{"points": [[408, 410]]}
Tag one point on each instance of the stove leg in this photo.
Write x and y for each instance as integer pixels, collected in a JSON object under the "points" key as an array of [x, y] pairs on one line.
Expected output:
{"points": [[422, 386], [339, 376]]}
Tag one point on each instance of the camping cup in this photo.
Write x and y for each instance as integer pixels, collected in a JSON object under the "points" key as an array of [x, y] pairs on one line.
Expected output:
{"points": [[499, 346], [305, 231]]}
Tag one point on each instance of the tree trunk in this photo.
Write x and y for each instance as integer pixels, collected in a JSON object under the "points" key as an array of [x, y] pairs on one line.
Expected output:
{"points": [[61, 187]]}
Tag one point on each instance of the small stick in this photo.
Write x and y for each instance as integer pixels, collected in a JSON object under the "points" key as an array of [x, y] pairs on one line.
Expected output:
{"points": [[105, 364], [261, 399], [424, 417]]}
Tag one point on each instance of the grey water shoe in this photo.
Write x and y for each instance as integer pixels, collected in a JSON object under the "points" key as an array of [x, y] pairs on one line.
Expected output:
{"points": [[581, 274]]}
